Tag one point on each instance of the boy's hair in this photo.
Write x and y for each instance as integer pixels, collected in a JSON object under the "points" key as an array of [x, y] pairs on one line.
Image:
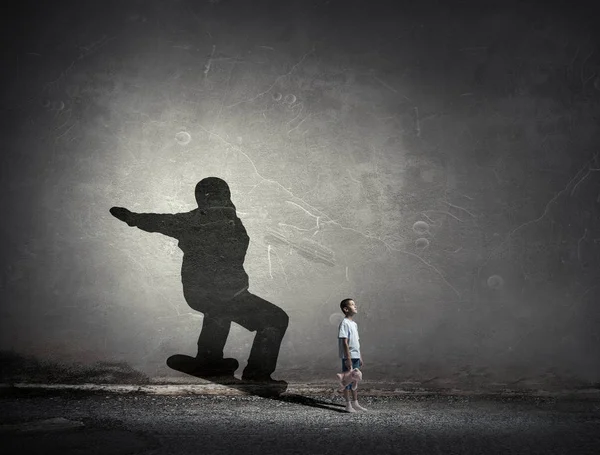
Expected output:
{"points": [[344, 304]]}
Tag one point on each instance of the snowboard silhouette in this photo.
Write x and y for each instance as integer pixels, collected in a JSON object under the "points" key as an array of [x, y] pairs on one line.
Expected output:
{"points": [[190, 365], [214, 243]]}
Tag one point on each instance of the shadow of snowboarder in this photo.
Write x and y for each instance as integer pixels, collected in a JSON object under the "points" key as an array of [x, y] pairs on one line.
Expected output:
{"points": [[214, 243]]}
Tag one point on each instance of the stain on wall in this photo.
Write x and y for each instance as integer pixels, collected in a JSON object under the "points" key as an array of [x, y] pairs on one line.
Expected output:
{"points": [[27, 369], [439, 165]]}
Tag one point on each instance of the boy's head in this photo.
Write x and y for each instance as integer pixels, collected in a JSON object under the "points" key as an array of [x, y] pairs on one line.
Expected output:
{"points": [[348, 307]]}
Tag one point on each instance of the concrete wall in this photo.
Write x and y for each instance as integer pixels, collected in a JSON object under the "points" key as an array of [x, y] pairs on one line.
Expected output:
{"points": [[440, 165]]}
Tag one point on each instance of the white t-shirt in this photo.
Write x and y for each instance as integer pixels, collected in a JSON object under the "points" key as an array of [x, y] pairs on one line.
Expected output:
{"points": [[349, 329]]}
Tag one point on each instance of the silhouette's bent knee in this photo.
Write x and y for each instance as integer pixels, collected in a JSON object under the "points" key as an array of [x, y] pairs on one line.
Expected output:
{"points": [[282, 319]]}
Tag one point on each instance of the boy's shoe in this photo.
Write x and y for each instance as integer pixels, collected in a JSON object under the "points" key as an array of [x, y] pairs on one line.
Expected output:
{"points": [[357, 406], [349, 407]]}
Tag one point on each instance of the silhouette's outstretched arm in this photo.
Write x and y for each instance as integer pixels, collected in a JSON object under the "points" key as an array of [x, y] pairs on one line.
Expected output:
{"points": [[163, 223]]}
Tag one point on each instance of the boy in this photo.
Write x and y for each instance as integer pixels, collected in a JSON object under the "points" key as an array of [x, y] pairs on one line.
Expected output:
{"points": [[349, 348]]}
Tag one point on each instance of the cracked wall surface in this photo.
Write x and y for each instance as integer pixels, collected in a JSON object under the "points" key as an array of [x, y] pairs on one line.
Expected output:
{"points": [[440, 165]]}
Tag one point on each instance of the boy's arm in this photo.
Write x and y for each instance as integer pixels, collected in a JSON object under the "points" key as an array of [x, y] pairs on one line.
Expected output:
{"points": [[167, 224], [346, 348]]}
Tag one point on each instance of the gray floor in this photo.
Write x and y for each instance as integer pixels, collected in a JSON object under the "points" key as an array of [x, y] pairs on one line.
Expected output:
{"points": [[145, 424]]}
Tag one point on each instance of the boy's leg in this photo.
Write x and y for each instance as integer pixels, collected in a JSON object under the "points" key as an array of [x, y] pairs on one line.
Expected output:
{"points": [[349, 407], [347, 390], [355, 405]]}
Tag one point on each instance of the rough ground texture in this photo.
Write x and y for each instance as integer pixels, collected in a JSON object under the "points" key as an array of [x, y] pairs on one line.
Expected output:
{"points": [[303, 424]]}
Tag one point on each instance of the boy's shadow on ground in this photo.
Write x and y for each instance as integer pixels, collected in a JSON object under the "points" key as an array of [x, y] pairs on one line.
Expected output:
{"points": [[270, 390], [311, 402]]}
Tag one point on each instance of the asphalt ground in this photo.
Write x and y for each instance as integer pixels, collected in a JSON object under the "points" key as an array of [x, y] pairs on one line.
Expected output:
{"points": [[83, 422]]}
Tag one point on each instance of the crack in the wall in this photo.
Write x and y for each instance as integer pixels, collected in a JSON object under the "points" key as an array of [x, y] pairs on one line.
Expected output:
{"points": [[331, 221]]}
